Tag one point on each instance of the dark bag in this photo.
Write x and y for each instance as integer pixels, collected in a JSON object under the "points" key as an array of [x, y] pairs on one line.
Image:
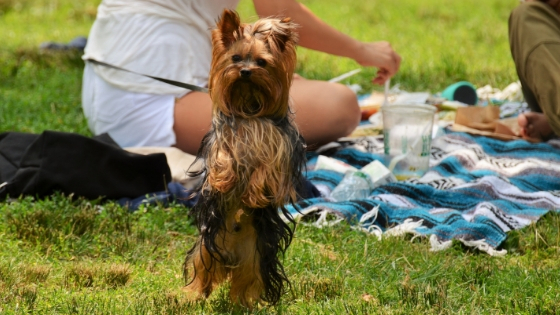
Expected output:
{"points": [[39, 165]]}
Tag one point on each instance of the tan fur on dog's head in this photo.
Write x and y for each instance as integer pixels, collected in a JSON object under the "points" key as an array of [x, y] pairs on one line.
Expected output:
{"points": [[252, 66], [250, 78]]}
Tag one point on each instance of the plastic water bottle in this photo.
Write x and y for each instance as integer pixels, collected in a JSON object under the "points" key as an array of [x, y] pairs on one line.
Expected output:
{"points": [[354, 185], [359, 184]]}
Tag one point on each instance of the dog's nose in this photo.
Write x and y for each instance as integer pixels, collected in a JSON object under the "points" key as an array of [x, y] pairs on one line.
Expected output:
{"points": [[245, 73]]}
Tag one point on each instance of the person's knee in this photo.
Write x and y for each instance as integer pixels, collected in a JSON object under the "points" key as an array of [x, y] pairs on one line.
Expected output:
{"points": [[525, 11], [533, 18], [519, 13], [324, 111], [517, 25], [349, 109]]}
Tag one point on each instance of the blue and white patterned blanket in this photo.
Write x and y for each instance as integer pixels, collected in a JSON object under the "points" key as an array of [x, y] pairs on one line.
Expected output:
{"points": [[476, 190]]}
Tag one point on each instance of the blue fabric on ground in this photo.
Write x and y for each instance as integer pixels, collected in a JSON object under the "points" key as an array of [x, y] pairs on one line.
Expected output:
{"points": [[175, 193], [477, 188]]}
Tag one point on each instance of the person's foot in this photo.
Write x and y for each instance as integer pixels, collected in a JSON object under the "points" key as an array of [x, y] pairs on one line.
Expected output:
{"points": [[534, 125], [78, 43]]}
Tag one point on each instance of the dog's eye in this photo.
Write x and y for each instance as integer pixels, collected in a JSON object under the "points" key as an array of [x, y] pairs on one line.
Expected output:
{"points": [[236, 58], [261, 62], [236, 228]]}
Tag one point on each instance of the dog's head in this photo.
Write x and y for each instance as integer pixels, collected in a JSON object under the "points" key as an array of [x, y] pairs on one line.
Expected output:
{"points": [[252, 66]]}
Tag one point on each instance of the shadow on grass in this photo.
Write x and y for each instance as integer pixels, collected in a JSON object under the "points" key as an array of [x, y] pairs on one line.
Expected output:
{"points": [[65, 227], [13, 62]]}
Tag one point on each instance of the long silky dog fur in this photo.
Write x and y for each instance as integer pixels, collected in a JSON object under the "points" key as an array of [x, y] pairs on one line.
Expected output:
{"points": [[252, 161]]}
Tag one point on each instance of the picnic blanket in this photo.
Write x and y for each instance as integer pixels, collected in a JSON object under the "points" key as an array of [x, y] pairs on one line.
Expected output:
{"points": [[476, 190]]}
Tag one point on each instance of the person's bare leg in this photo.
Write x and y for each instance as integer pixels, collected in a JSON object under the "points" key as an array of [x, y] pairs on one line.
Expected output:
{"points": [[324, 111], [193, 116], [534, 125]]}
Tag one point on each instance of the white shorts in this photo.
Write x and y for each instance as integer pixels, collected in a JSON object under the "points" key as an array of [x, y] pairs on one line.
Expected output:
{"points": [[131, 119]]}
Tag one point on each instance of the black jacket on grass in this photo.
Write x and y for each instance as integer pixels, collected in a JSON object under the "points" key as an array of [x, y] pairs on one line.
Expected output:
{"points": [[39, 165]]}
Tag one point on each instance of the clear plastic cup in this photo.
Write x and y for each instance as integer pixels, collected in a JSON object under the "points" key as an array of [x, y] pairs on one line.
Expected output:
{"points": [[407, 131]]}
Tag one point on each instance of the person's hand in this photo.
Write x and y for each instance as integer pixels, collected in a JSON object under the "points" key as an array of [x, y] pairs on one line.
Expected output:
{"points": [[382, 56]]}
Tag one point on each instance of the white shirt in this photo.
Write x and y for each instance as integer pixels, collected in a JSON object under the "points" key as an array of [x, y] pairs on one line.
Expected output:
{"points": [[162, 38]]}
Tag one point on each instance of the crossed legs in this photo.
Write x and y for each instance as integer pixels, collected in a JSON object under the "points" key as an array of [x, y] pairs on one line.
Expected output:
{"points": [[323, 112]]}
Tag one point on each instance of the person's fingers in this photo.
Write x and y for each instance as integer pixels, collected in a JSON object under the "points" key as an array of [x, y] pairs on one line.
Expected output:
{"points": [[522, 122], [381, 76], [382, 56], [392, 69], [398, 59], [529, 130], [379, 80], [383, 72], [394, 61]]}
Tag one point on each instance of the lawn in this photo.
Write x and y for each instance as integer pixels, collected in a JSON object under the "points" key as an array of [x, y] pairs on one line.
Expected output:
{"points": [[67, 255]]}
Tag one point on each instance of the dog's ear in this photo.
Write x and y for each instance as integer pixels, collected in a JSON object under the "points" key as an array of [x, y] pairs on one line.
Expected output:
{"points": [[229, 27], [284, 33]]}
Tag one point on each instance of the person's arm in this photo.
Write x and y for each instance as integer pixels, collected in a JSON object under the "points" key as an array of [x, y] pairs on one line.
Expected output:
{"points": [[316, 34]]}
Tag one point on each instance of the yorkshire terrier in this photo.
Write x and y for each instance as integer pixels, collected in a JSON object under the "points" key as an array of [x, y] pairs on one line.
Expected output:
{"points": [[252, 161]]}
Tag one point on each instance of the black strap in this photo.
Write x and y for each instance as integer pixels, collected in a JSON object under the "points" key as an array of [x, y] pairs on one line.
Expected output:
{"points": [[175, 83]]}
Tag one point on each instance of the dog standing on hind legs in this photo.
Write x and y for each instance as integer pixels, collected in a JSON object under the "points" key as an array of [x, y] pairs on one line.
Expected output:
{"points": [[252, 161]]}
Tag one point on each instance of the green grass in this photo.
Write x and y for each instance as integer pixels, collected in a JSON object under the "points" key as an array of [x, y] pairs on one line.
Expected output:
{"points": [[63, 255], [72, 256], [440, 41]]}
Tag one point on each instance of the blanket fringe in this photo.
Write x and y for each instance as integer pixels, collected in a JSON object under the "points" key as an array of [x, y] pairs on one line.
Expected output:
{"points": [[437, 245], [485, 247], [322, 221], [481, 245], [372, 228], [409, 226]]}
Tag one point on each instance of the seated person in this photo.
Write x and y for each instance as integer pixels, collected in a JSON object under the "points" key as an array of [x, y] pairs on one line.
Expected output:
{"points": [[534, 35], [171, 39]]}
